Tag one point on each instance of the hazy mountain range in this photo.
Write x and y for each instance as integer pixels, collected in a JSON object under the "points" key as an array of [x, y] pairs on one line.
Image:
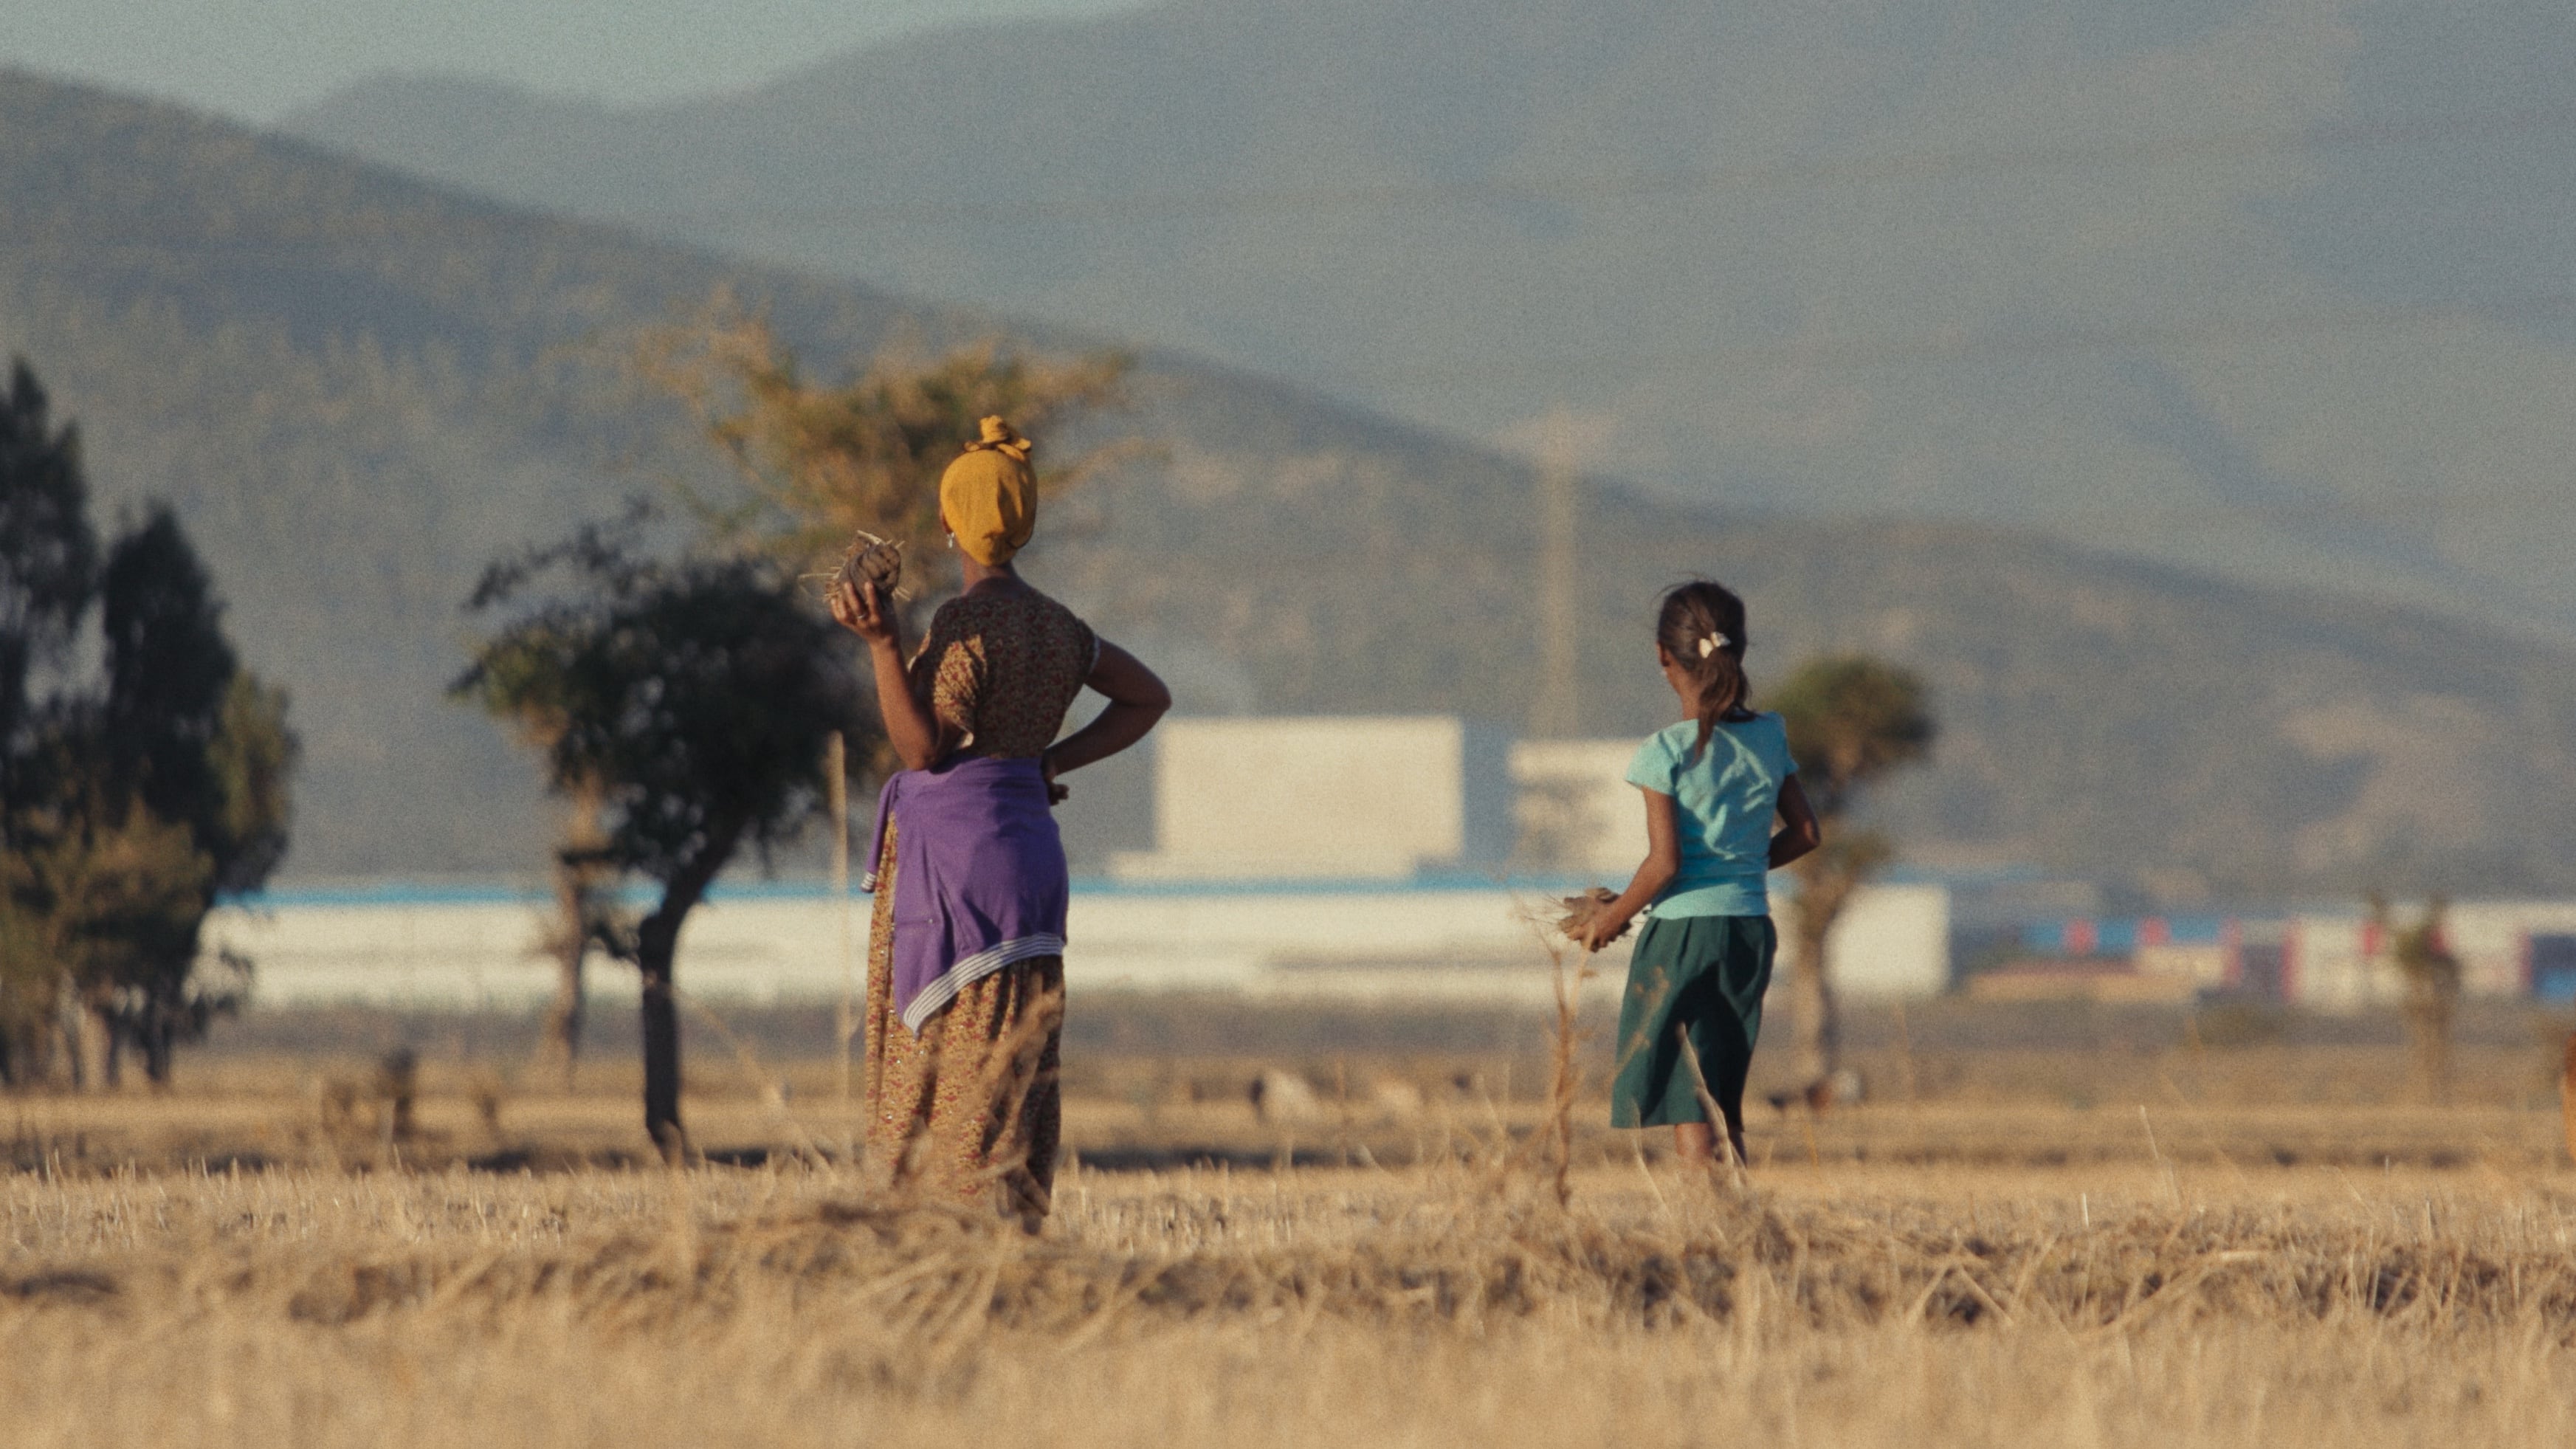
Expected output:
{"points": [[358, 387], [2274, 288]]}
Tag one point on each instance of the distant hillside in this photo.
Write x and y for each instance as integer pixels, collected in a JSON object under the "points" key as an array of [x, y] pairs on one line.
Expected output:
{"points": [[2102, 717], [358, 388], [2277, 291]]}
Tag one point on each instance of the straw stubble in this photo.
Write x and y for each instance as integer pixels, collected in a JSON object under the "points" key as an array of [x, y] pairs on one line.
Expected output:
{"points": [[1430, 1306]]}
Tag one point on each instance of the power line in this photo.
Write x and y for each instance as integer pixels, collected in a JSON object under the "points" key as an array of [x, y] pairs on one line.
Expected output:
{"points": [[1557, 710]]}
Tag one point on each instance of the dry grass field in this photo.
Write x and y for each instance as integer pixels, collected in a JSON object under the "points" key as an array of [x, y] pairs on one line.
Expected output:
{"points": [[2205, 1260]]}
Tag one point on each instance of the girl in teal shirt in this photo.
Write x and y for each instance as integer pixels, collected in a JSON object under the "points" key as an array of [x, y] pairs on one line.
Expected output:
{"points": [[1714, 785]]}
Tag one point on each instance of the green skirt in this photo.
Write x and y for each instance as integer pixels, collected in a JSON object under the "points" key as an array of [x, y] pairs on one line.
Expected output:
{"points": [[1704, 975]]}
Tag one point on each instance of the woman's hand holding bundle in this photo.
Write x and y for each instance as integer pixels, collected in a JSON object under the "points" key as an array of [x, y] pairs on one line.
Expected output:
{"points": [[864, 611]]}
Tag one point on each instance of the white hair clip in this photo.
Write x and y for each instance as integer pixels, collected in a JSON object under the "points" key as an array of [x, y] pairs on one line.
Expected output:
{"points": [[1711, 645]]}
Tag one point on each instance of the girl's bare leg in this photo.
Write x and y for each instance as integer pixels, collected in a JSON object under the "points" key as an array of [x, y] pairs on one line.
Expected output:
{"points": [[1697, 1141]]}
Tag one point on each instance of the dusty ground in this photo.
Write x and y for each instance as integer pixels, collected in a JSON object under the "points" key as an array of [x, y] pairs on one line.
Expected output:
{"points": [[1848, 1304], [2199, 1255]]}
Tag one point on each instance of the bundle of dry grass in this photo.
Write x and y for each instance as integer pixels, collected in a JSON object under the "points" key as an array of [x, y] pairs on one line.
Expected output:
{"points": [[873, 560]]}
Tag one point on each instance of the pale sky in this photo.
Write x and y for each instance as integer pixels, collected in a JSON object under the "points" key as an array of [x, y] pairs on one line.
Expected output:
{"points": [[259, 59]]}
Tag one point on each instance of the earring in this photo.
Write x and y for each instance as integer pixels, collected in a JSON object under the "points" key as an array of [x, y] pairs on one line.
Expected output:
{"points": [[952, 543]]}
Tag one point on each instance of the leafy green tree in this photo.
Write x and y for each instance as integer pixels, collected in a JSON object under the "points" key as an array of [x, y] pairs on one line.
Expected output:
{"points": [[695, 697], [187, 737], [48, 556], [253, 755], [1852, 720], [169, 672], [48, 560], [128, 805], [126, 896]]}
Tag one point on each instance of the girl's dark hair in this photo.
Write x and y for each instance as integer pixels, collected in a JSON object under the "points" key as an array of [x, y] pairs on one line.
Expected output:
{"points": [[1701, 626]]}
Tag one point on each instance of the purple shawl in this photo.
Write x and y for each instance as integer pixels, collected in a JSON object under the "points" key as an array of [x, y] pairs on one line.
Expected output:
{"points": [[979, 878]]}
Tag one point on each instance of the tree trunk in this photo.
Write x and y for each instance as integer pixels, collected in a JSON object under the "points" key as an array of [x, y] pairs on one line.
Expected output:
{"points": [[93, 1049], [2428, 1023], [577, 883], [1815, 1032], [657, 943], [160, 1043], [1827, 879], [564, 1015]]}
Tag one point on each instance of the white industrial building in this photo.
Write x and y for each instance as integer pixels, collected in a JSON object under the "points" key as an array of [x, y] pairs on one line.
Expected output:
{"points": [[464, 950], [1412, 856], [1891, 943], [2505, 949], [1573, 808], [1325, 797]]}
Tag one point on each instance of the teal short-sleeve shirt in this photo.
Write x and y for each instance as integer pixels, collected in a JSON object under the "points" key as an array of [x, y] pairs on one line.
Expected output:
{"points": [[1724, 798]]}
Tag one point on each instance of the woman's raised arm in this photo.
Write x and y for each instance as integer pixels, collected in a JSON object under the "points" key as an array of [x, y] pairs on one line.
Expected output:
{"points": [[910, 726]]}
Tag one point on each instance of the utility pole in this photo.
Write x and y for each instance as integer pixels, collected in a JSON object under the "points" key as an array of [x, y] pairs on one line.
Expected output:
{"points": [[1557, 714], [836, 784]]}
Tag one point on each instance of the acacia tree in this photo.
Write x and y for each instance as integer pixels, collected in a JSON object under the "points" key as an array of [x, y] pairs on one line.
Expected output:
{"points": [[816, 461], [1852, 720], [694, 697]]}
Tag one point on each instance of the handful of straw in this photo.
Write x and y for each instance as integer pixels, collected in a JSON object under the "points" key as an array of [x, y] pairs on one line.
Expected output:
{"points": [[1581, 910], [871, 560]]}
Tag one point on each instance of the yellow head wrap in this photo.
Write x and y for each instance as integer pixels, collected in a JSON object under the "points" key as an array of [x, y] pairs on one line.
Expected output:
{"points": [[989, 496]]}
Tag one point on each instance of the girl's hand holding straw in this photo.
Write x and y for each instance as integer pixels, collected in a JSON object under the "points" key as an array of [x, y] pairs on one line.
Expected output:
{"points": [[1594, 919]]}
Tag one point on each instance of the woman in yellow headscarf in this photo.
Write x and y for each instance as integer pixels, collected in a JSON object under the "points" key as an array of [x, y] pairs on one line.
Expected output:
{"points": [[965, 953]]}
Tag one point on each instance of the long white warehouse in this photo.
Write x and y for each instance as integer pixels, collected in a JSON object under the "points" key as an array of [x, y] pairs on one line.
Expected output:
{"points": [[469, 948]]}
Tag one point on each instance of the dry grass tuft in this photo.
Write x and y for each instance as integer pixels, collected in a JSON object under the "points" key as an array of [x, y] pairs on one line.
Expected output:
{"points": [[787, 1306], [1937, 1275]]}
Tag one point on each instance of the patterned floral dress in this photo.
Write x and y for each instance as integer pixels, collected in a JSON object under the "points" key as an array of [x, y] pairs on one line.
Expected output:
{"points": [[969, 1110]]}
